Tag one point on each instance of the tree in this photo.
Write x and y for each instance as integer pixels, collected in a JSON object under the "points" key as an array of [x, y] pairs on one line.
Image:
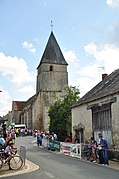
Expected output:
{"points": [[60, 113]]}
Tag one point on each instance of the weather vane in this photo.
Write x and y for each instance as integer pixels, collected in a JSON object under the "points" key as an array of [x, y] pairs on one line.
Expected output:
{"points": [[51, 26]]}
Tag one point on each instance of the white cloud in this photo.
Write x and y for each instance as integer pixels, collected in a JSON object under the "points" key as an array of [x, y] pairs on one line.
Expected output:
{"points": [[90, 48], [37, 40], [29, 46], [27, 89], [113, 34], [107, 56], [15, 69], [86, 83], [87, 78], [104, 59], [73, 66], [88, 71], [83, 77], [109, 2], [91, 74], [5, 102], [69, 56], [113, 3]]}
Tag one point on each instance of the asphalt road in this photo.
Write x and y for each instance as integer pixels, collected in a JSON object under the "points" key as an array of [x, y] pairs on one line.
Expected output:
{"points": [[57, 166]]}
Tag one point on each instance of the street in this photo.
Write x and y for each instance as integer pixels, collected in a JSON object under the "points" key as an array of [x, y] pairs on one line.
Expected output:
{"points": [[58, 166]]}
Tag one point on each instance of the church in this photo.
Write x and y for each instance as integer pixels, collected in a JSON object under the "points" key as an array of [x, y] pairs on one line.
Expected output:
{"points": [[51, 81]]}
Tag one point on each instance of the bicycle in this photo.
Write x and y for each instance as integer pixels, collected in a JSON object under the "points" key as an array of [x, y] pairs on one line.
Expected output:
{"points": [[15, 162], [87, 153]]}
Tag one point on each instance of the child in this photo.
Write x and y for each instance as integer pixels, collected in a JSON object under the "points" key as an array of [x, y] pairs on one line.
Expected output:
{"points": [[8, 151]]}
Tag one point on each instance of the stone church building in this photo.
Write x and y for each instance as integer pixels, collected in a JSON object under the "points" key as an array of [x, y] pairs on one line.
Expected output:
{"points": [[52, 79]]}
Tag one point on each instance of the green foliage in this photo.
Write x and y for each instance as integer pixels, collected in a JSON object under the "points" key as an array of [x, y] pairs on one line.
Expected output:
{"points": [[60, 113]]}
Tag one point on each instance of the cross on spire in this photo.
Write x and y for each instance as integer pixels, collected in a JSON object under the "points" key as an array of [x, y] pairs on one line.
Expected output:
{"points": [[51, 26]]}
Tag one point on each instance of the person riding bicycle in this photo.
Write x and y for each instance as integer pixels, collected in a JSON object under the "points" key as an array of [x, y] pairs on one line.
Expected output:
{"points": [[9, 155], [9, 151], [9, 139]]}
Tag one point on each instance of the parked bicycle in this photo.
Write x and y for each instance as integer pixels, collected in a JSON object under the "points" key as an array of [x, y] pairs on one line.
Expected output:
{"points": [[87, 154]]}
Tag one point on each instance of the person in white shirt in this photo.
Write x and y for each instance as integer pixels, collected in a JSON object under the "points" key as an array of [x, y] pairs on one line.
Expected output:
{"points": [[2, 141]]}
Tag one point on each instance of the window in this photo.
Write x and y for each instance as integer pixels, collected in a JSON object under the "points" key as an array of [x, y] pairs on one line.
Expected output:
{"points": [[51, 68]]}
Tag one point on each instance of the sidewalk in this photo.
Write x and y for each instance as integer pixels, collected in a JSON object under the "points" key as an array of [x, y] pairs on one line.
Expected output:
{"points": [[28, 167], [113, 164]]}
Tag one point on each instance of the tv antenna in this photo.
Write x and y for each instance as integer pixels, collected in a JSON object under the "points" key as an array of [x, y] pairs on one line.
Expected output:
{"points": [[102, 68]]}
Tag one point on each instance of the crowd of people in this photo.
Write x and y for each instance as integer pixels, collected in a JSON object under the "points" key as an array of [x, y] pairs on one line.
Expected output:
{"points": [[7, 145], [96, 149], [7, 140], [39, 135]]}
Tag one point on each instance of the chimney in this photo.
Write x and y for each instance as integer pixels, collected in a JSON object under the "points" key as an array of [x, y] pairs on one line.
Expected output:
{"points": [[105, 75]]}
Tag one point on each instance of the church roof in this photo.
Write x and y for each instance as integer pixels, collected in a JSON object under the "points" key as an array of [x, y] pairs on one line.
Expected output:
{"points": [[52, 53], [108, 86], [18, 105]]}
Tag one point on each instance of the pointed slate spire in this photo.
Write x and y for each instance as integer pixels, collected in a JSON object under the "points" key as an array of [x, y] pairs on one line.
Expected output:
{"points": [[52, 53]]}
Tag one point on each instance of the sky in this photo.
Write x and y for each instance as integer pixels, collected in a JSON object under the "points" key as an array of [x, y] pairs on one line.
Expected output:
{"points": [[86, 31]]}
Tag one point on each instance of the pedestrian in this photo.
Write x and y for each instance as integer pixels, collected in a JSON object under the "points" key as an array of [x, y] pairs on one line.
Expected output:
{"points": [[4, 131], [102, 150], [68, 139], [76, 139], [17, 132], [54, 136], [12, 133], [93, 145], [2, 141], [38, 139]]}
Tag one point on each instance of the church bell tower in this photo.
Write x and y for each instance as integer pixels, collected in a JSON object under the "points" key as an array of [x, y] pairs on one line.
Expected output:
{"points": [[52, 77]]}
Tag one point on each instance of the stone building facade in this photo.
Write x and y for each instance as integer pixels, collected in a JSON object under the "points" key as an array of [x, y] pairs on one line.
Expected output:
{"points": [[27, 115], [98, 111]]}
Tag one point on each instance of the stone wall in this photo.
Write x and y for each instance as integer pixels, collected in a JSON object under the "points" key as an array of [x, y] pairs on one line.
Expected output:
{"points": [[55, 80], [42, 106], [83, 115], [115, 121]]}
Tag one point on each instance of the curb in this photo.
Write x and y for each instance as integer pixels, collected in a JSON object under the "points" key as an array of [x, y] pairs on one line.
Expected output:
{"points": [[29, 167]]}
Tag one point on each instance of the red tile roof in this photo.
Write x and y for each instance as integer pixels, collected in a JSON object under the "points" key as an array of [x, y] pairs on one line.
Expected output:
{"points": [[18, 105]]}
